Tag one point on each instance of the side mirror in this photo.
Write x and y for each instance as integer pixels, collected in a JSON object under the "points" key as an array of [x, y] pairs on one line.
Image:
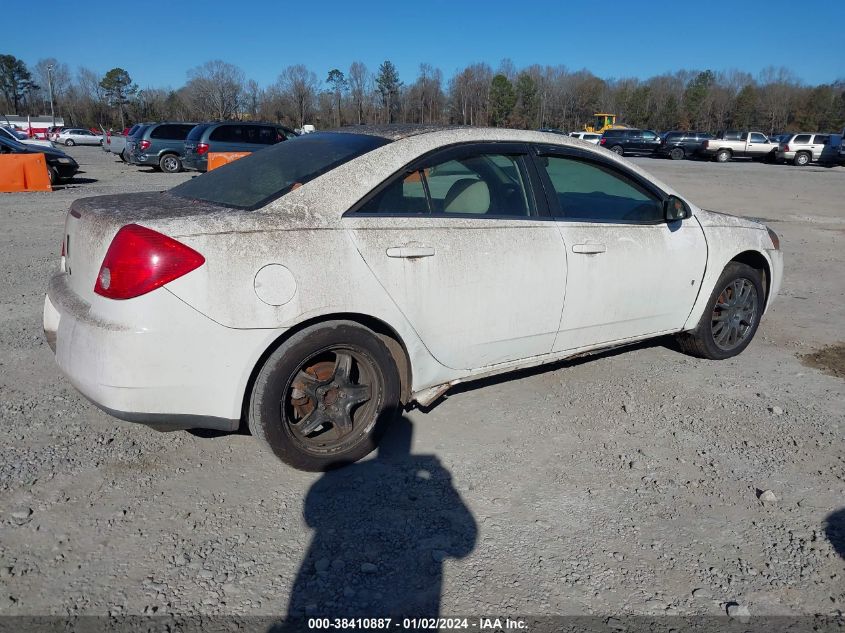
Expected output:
{"points": [[675, 209]]}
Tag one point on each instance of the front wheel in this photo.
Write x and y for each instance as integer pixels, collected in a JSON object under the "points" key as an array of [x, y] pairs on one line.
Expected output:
{"points": [[322, 398], [731, 317], [677, 153]]}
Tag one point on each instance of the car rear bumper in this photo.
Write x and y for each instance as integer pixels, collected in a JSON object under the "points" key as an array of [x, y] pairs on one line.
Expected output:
{"points": [[195, 163], [179, 370], [143, 159]]}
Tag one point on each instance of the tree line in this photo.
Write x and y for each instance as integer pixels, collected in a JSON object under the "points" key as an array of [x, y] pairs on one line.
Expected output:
{"points": [[531, 97]]}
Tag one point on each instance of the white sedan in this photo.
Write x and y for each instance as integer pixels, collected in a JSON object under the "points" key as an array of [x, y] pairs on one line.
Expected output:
{"points": [[78, 136], [312, 289]]}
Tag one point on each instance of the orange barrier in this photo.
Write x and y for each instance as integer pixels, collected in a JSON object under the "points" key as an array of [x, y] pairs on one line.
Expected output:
{"points": [[24, 172], [218, 159]]}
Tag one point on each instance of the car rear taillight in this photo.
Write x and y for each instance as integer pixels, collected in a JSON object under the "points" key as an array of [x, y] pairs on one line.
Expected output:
{"points": [[144, 145], [602, 141], [786, 148], [202, 148], [140, 260]]}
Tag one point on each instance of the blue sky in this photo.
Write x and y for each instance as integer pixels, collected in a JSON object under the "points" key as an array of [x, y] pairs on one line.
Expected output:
{"points": [[157, 42]]}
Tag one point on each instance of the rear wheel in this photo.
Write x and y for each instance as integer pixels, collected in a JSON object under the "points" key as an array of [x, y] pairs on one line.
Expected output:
{"points": [[801, 159], [618, 149], [731, 317], [723, 156], [323, 397], [170, 164], [69, 142], [677, 153]]}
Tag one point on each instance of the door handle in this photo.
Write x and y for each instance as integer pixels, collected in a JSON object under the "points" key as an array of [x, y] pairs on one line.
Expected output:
{"points": [[410, 251], [589, 248]]}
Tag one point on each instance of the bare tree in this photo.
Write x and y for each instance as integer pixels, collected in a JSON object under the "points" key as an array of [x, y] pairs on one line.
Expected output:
{"points": [[215, 89], [359, 87], [298, 86]]}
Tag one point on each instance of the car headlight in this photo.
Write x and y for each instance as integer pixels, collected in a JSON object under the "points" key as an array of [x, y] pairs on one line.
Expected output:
{"points": [[775, 238], [66, 161]]}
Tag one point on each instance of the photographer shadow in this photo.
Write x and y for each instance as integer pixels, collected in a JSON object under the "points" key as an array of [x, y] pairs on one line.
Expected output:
{"points": [[382, 529]]}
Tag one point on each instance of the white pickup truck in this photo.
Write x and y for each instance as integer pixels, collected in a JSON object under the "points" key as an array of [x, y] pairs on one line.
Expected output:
{"points": [[114, 142], [733, 144]]}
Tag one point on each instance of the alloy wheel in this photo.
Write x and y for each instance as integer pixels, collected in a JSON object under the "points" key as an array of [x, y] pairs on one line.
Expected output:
{"points": [[734, 314]]}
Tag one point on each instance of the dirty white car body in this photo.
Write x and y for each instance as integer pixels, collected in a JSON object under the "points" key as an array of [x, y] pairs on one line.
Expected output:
{"points": [[452, 296]]}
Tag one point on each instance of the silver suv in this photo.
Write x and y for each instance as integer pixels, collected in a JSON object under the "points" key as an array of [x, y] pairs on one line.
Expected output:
{"points": [[804, 148]]}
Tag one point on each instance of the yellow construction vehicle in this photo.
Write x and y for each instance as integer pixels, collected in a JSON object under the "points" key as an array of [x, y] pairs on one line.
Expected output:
{"points": [[602, 121]]}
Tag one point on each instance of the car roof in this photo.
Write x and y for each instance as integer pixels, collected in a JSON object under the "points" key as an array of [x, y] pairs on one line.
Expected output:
{"points": [[402, 130]]}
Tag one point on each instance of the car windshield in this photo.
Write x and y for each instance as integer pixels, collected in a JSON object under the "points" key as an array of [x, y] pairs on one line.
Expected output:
{"points": [[255, 180]]}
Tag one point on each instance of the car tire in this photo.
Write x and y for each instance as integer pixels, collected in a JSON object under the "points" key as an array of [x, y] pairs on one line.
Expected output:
{"points": [[170, 164], [677, 153], [618, 149], [55, 179], [306, 381], [69, 142], [731, 317], [723, 156], [801, 159], [123, 156]]}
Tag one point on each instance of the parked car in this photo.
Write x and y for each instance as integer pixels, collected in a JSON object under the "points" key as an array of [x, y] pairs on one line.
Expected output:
{"points": [[630, 141], [134, 137], [219, 293], [161, 145], [679, 145], [21, 137], [60, 165], [78, 136], [803, 149], [739, 144], [841, 148], [230, 136], [590, 137]]}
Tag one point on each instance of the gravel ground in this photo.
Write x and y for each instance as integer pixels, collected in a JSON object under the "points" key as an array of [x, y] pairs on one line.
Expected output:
{"points": [[623, 484]]}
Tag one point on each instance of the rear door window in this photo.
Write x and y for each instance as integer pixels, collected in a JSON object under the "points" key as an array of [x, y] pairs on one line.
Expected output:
{"points": [[478, 184], [268, 135], [821, 139], [162, 131], [803, 139], [228, 134]]}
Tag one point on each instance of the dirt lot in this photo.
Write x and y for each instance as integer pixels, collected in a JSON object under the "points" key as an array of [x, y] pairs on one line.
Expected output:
{"points": [[623, 484]]}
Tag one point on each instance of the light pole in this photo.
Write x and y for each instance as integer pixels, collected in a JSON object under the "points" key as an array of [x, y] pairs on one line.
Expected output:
{"points": [[50, 86]]}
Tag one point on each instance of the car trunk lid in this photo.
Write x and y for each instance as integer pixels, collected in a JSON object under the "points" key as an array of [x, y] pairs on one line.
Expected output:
{"points": [[92, 223]]}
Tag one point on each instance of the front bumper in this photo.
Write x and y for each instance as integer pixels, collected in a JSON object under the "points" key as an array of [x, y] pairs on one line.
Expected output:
{"points": [[156, 361]]}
